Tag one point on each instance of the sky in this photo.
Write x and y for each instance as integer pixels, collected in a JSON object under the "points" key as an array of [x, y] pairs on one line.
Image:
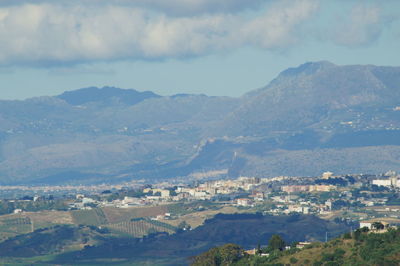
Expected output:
{"points": [[215, 47]]}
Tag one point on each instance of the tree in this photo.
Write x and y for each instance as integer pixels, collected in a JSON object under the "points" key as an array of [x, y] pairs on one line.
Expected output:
{"points": [[258, 251], [347, 235], [276, 242], [378, 225], [224, 255], [184, 226], [364, 229]]}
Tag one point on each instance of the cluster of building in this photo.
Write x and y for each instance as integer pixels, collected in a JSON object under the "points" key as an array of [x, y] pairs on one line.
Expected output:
{"points": [[308, 188], [392, 181], [282, 194]]}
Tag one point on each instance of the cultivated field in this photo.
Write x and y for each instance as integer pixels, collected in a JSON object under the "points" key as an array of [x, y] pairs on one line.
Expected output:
{"points": [[22, 223], [140, 228], [196, 219], [116, 215]]}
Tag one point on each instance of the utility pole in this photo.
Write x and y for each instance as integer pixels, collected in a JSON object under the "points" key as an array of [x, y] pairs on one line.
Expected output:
{"points": [[326, 236]]}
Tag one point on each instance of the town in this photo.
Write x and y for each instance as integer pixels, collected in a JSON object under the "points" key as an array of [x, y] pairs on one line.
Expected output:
{"points": [[356, 198]]}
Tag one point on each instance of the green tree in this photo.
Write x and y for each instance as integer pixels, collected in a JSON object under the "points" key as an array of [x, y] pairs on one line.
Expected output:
{"points": [[219, 256], [276, 242], [378, 225], [347, 235], [184, 226]]}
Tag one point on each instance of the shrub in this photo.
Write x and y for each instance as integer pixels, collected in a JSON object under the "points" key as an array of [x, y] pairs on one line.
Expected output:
{"points": [[347, 236]]}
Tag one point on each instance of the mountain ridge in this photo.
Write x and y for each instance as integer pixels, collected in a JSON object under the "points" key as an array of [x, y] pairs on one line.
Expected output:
{"points": [[303, 114]]}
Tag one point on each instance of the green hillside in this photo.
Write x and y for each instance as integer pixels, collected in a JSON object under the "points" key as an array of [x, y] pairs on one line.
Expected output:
{"points": [[357, 249], [147, 242], [51, 240]]}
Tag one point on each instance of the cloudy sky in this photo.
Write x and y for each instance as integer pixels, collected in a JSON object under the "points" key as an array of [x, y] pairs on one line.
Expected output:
{"points": [[216, 47]]}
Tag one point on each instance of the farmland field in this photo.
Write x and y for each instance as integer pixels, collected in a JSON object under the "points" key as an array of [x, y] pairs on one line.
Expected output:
{"points": [[121, 220], [89, 217], [14, 226], [196, 219], [141, 227], [116, 215]]}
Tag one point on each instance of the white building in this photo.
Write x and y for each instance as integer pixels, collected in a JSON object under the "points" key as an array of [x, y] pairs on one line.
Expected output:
{"points": [[328, 204], [244, 202], [300, 209], [369, 223], [88, 200], [327, 175], [385, 182], [131, 201]]}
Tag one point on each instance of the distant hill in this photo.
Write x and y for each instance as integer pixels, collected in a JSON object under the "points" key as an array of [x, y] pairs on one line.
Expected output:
{"points": [[50, 240], [323, 97], [104, 95], [312, 118]]}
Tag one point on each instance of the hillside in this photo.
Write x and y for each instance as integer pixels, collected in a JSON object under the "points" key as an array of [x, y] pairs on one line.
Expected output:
{"points": [[311, 118], [122, 243], [51, 240], [320, 95], [46, 139], [315, 117], [356, 249], [246, 229]]}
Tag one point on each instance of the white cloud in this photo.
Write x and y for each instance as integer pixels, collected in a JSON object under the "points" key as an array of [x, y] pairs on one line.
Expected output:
{"points": [[171, 7], [49, 33], [364, 25], [276, 28], [186, 7]]}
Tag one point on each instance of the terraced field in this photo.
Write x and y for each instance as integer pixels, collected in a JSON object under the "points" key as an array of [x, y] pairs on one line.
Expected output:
{"points": [[89, 217], [14, 226], [117, 215], [196, 219], [141, 227], [132, 221]]}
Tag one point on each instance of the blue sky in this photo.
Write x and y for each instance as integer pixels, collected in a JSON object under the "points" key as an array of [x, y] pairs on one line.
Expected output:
{"points": [[216, 47]]}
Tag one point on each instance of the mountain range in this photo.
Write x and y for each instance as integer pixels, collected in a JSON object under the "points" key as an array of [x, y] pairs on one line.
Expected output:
{"points": [[312, 118]]}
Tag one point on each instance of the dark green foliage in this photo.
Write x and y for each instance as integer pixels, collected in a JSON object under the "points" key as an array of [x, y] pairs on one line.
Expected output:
{"points": [[276, 242], [224, 255], [335, 258], [332, 181], [32, 206], [378, 248], [370, 249], [347, 235], [378, 226]]}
